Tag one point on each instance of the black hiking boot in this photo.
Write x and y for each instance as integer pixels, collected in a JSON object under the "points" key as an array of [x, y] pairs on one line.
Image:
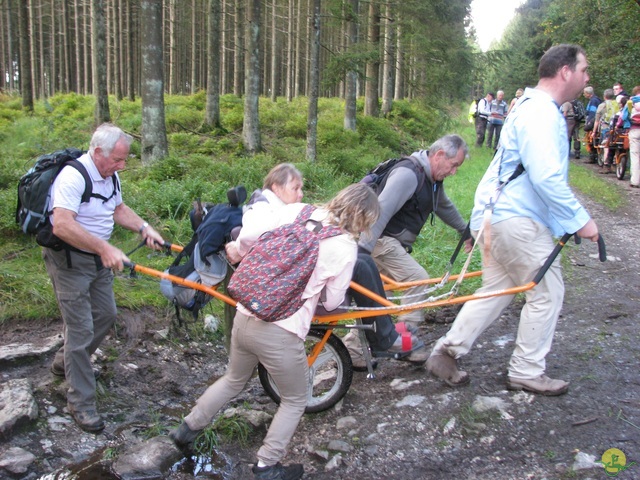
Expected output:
{"points": [[184, 438], [278, 472]]}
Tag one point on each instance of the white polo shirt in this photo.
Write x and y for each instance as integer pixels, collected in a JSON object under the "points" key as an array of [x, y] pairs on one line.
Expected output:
{"points": [[96, 216]]}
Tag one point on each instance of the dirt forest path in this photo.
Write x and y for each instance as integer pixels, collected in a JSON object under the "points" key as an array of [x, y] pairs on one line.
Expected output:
{"points": [[401, 425]]}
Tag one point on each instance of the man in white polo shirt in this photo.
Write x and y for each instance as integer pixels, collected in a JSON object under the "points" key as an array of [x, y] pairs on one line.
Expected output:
{"points": [[81, 272]]}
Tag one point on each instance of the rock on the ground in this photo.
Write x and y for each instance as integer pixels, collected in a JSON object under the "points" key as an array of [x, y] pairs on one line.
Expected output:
{"points": [[16, 460], [344, 422], [150, 459], [14, 351], [333, 463], [257, 418], [17, 405]]}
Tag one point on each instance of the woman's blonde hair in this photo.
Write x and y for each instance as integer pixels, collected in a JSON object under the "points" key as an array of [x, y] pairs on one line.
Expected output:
{"points": [[354, 209], [280, 175]]}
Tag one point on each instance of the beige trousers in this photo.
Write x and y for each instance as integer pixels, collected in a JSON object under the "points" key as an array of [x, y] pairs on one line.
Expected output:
{"points": [[282, 354], [519, 246]]}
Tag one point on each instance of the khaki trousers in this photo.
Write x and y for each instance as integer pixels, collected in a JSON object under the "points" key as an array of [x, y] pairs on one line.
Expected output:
{"points": [[282, 354], [88, 308], [519, 246], [394, 261]]}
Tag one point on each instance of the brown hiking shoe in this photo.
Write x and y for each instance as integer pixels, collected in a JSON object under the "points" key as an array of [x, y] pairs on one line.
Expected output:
{"points": [[542, 385], [445, 368], [88, 420]]}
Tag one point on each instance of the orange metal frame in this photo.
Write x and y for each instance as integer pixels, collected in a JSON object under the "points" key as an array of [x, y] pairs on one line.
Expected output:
{"points": [[333, 319]]}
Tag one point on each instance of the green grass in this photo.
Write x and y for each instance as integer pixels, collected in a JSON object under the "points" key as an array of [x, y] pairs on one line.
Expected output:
{"points": [[205, 163]]}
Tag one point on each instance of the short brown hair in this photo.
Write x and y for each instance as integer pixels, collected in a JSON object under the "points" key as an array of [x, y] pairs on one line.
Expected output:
{"points": [[280, 175], [557, 57]]}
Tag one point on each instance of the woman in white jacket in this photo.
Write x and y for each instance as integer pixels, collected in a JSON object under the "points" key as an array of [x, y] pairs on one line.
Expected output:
{"points": [[279, 346]]}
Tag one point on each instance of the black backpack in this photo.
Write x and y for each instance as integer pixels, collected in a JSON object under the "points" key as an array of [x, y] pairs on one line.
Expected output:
{"points": [[34, 194], [376, 178], [579, 112]]}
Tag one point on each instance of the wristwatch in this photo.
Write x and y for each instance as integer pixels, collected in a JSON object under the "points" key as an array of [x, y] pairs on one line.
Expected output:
{"points": [[144, 225]]}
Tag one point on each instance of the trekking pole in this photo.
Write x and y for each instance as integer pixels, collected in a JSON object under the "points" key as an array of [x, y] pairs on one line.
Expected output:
{"points": [[465, 235], [602, 254]]}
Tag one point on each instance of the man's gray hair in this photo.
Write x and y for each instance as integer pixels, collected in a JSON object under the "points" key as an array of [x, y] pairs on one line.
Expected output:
{"points": [[609, 94], [450, 144], [106, 136], [589, 90]]}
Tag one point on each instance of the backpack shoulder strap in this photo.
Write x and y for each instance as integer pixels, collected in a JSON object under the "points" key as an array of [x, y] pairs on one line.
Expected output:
{"points": [[88, 184], [324, 231], [419, 170]]}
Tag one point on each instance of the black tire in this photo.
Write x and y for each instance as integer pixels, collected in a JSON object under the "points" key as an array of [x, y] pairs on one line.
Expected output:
{"points": [[600, 157], [621, 167], [329, 377]]}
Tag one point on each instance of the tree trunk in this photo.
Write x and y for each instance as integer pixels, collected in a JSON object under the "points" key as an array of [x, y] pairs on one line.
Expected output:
{"points": [[4, 58], [78, 46], [212, 114], [26, 82], [399, 90], [290, 61], [238, 48], [194, 48], [173, 69], [373, 65], [65, 48], [351, 80], [154, 130], [275, 57], [88, 48], [35, 67], [224, 68], [99, 54], [118, 26], [251, 122], [298, 70], [314, 71], [108, 13], [388, 66], [131, 55]]}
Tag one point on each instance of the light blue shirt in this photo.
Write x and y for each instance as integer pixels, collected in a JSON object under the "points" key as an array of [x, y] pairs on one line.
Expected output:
{"points": [[535, 135]]}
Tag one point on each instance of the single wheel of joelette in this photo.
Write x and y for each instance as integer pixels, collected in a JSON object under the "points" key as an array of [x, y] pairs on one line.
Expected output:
{"points": [[621, 166], [329, 377], [600, 157]]}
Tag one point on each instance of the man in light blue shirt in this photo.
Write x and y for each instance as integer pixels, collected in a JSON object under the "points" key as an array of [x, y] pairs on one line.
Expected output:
{"points": [[518, 231]]}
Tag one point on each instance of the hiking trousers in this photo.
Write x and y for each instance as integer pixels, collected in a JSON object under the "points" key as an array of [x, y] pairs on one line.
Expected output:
{"points": [[87, 304], [519, 247], [394, 261], [282, 354]]}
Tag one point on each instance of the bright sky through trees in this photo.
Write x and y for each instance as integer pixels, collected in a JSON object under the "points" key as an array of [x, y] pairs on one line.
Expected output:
{"points": [[490, 17]]}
